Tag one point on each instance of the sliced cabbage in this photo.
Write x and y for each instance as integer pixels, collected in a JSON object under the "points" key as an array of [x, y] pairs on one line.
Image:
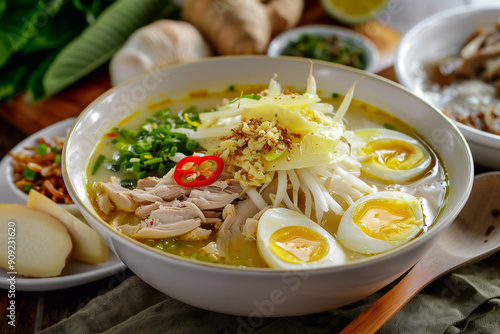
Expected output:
{"points": [[315, 149], [315, 136]]}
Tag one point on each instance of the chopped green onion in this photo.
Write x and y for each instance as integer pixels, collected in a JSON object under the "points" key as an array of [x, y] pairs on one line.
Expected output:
{"points": [[56, 149], [142, 147], [119, 145], [127, 183], [248, 96], [251, 96], [57, 159], [146, 150], [191, 145], [99, 161], [42, 149], [170, 141], [170, 164], [190, 110], [153, 161], [136, 166], [173, 151], [389, 126], [29, 174], [127, 134], [161, 115], [141, 175], [148, 127], [114, 167], [156, 145], [153, 167], [27, 187], [146, 156]]}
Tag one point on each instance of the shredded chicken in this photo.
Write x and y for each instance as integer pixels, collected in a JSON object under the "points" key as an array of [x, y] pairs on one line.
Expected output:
{"points": [[207, 200], [212, 250], [120, 196], [104, 203], [166, 209], [233, 226]]}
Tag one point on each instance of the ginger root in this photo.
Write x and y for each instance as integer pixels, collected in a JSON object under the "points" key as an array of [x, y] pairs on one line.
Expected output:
{"points": [[241, 26], [87, 244], [42, 245], [284, 14]]}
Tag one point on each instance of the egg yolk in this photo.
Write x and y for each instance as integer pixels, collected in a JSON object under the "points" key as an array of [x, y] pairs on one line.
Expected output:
{"points": [[298, 244], [394, 153], [385, 219]]}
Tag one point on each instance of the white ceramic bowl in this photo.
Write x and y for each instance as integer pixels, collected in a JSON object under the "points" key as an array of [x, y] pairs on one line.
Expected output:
{"points": [[370, 52], [255, 292], [441, 35]]}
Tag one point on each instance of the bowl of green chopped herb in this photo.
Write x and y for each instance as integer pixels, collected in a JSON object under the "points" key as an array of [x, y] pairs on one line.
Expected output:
{"points": [[328, 43]]}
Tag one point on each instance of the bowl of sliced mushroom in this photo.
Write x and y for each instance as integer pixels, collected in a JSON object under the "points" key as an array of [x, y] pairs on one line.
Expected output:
{"points": [[452, 59]]}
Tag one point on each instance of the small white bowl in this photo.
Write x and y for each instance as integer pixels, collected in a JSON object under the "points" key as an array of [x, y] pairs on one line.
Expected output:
{"points": [[438, 36], [370, 52], [16, 195]]}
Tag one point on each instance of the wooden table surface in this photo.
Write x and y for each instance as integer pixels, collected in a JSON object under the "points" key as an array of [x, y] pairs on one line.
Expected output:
{"points": [[38, 310], [30, 117]]}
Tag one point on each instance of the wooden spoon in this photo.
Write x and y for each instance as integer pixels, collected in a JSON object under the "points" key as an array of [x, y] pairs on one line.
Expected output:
{"points": [[473, 236]]}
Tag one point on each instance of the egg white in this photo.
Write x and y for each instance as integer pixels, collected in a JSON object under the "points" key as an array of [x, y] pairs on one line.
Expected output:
{"points": [[352, 237], [274, 219], [377, 170]]}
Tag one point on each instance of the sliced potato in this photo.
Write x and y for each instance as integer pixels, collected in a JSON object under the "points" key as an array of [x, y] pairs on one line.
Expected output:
{"points": [[87, 245], [38, 244]]}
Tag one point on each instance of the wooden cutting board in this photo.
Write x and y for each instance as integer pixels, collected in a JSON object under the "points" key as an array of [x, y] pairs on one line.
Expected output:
{"points": [[29, 117]]}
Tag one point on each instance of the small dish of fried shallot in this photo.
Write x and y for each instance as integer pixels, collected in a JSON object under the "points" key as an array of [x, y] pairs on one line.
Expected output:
{"points": [[35, 163]]}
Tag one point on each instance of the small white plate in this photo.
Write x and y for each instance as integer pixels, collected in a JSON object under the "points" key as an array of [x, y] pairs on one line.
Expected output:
{"points": [[76, 272]]}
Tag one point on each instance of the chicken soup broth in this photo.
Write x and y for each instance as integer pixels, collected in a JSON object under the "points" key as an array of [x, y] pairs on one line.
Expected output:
{"points": [[297, 189]]}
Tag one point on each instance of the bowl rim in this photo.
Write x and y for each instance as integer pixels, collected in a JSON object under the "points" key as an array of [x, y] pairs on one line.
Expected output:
{"points": [[181, 261], [278, 43], [485, 138]]}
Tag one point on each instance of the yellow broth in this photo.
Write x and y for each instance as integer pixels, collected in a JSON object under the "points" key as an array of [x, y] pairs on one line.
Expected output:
{"points": [[244, 252]]}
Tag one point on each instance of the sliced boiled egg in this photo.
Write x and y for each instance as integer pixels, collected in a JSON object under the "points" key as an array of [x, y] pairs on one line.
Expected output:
{"points": [[287, 239], [389, 156], [380, 222]]}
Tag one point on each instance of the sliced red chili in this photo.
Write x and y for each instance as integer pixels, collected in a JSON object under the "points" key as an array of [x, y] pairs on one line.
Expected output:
{"points": [[198, 171]]}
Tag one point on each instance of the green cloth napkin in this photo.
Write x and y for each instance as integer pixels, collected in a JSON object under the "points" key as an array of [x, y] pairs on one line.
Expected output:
{"points": [[466, 301]]}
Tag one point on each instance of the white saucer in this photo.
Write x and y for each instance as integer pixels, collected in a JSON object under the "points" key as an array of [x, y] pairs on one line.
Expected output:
{"points": [[75, 273]]}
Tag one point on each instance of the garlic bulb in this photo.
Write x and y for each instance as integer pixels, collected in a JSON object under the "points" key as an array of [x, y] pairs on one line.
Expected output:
{"points": [[159, 44]]}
